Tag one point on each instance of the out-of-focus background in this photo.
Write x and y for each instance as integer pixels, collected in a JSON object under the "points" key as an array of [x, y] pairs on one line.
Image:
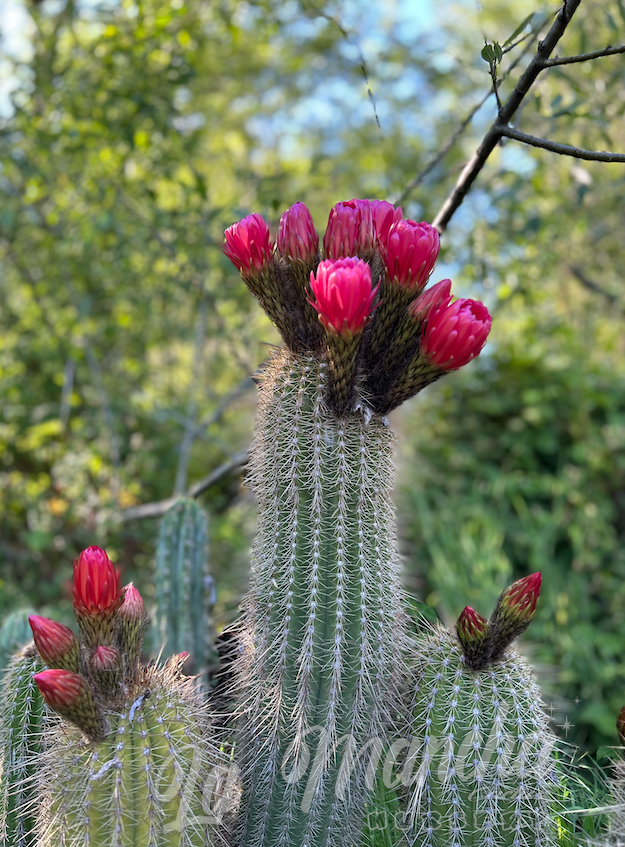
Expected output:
{"points": [[133, 133]]}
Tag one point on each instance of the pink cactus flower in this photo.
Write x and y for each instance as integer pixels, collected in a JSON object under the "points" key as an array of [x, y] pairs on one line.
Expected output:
{"points": [[455, 333], [343, 295], [297, 236], [105, 659], [433, 298], [96, 583], [410, 251], [350, 231], [247, 244], [384, 216]]}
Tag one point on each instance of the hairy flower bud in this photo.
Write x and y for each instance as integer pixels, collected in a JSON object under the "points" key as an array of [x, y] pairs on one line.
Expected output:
{"points": [[513, 613], [57, 645], [297, 236], [343, 295], [97, 595], [410, 251], [247, 244], [351, 231], [455, 333], [69, 694], [472, 630], [132, 625]]}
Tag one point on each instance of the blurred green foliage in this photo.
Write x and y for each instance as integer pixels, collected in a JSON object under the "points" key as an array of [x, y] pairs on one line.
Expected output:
{"points": [[139, 130]]}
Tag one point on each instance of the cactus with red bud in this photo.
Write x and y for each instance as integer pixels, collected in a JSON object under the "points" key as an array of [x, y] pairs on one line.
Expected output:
{"points": [[97, 596], [513, 613], [56, 644], [70, 695], [132, 624]]}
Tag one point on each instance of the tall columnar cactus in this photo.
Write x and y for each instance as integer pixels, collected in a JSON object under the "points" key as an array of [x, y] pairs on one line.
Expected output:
{"points": [[184, 586], [131, 763], [14, 635], [21, 736], [481, 765], [324, 636]]}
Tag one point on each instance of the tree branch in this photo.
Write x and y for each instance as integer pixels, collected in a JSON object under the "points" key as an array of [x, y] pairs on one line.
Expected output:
{"points": [[583, 57], [562, 149], [159, 507], [490, 140], [591, 285]]}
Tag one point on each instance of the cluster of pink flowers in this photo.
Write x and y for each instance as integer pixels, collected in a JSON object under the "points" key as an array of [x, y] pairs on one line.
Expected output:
{"points": [[99, 599], [343, 292]]}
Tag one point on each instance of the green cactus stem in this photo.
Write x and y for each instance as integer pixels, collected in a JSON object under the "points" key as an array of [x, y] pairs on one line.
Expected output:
{"points": [[482, 770], [149, 783], [21, 732], [14, 635], [324, 625], [184, 587]]}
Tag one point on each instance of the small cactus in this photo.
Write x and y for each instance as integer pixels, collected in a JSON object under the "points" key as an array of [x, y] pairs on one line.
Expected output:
{"points": [[482, 756], [184, 587], [21, 735], [132, 763]]}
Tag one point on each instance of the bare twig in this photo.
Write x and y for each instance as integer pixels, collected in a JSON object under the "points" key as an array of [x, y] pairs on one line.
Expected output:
{"points": [[433, 163], [494, 134], [158, 508], [583, 57], [562, 149]]}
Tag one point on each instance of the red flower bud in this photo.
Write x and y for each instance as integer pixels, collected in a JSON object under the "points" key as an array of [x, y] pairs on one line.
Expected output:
{"points": [[384, 216], [344, 297], [409, 252], [105, 659], [247, 244], [455, 333], [512, 614], [96, 583], [297, 236], [433, 298], [57, 645], [351, 231], [132, 607], [471, 626], [70, 695], [521, 597]]}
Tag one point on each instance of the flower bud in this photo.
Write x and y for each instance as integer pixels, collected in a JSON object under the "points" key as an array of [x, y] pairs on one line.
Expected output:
{"points": [[57, 645], [106, 666], [133, 621], [409, 252], [455, 333], [433, 298], [69, 694], [297, 236], [247, 244], [351, 231], [97, 595], [513, 613], [343, 296], [472, 630]]}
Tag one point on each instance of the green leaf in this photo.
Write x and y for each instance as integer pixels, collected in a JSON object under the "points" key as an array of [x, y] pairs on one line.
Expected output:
{"points": [[488, 54], [526, 22]]}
